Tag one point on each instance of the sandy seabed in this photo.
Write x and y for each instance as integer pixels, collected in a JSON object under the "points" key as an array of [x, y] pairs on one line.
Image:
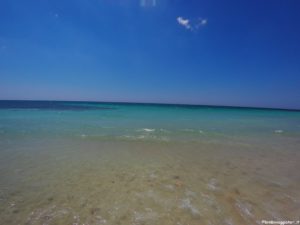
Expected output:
{"points": [[86, 181]]}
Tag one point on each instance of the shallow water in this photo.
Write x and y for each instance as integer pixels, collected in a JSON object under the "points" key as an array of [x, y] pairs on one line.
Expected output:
{"points": [[92, 163]]}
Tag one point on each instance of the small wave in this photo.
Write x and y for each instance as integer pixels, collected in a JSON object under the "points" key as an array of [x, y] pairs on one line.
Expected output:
{"points": [[125, 137], [148, 130], [278, 131], [188, 130], [145, 138]]}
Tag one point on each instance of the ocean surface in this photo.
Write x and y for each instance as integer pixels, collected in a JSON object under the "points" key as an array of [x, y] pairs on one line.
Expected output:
{"points": [[75, 163]]}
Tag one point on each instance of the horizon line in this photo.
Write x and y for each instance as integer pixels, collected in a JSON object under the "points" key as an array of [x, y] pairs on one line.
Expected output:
{"points": [[166, 104]]}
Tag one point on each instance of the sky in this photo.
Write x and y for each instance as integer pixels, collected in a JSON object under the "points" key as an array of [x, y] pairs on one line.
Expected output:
{"points": [[213, 52]]}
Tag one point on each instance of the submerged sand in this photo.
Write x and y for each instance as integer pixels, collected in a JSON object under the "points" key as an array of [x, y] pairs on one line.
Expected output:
{"points": [[88, 181]]}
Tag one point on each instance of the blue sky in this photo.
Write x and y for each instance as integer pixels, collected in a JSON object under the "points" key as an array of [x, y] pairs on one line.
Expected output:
{"points": [[244, 53]]}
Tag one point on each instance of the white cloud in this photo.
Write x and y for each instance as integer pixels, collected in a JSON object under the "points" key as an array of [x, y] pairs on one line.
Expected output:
{"points": [[184, 22], [191, 25]]}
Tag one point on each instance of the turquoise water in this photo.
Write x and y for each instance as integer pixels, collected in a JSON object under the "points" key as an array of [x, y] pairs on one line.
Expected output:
{"points": [[148, 122], [109, 163]]}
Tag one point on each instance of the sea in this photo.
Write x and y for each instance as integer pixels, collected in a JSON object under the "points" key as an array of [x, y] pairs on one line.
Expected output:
{"points": [[94, 163]]}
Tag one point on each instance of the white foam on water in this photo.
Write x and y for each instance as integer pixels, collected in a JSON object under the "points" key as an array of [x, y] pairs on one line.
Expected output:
{"points": [[141, 217], [148, 129], [186, 204], [132, 137], [127, 136], [244, 209], [212, 184], [156, 197], [101, 220], [278, 131], [208, 199], [46, 215], [146, 137], [291, 198], [268, 207]]}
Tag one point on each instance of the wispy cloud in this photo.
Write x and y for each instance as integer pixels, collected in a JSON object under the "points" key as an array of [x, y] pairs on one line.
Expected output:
{"points": [[203, 21], [191, 25]]}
